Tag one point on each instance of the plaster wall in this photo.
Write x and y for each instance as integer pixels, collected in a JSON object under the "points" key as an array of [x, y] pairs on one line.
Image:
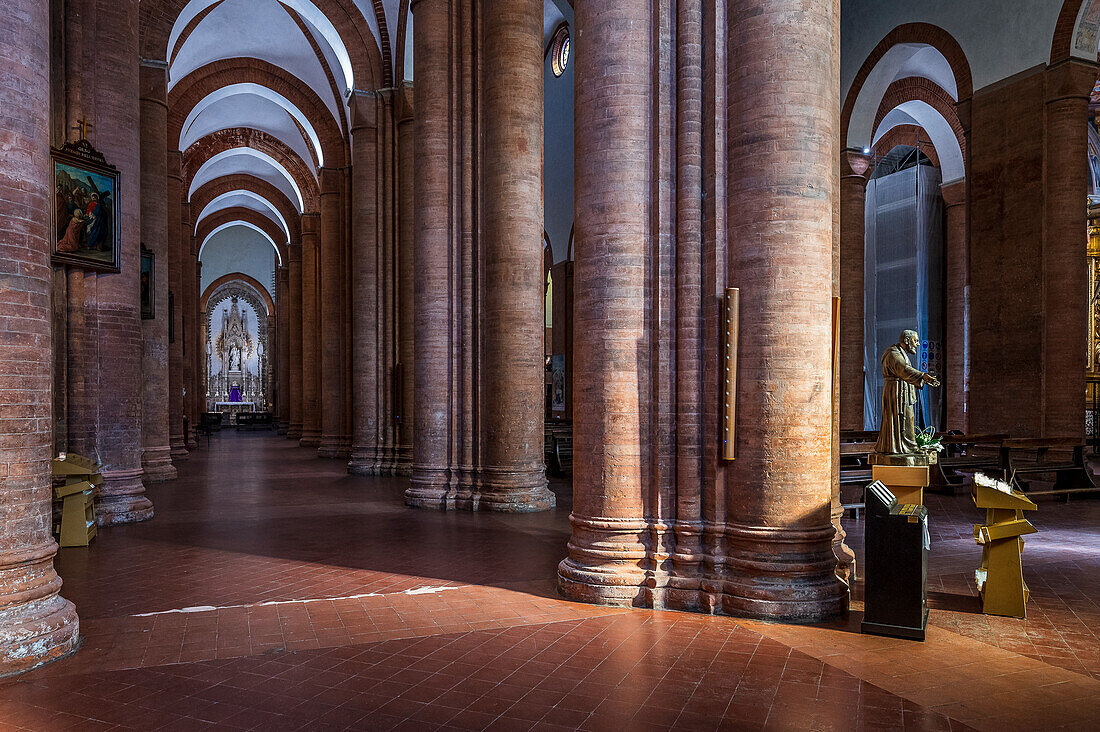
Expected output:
{"points": [[238, 249]]}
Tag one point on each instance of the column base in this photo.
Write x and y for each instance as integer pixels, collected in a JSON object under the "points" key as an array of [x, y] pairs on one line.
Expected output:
{"points": [[281, 427], [364, 461], [513, 491], [604, 566], [403, 464], [310, 438], [294, 432], [178, 448], [782, 574], [37, 625], [157, 464], [122, 499], [430, 489], [332, 447]]}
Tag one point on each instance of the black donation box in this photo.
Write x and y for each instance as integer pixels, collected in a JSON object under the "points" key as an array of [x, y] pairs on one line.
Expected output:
{"points": [[895, 566]]}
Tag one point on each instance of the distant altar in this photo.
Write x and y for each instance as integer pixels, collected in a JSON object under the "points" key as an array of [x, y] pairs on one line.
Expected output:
{"points": [[235, 365]]}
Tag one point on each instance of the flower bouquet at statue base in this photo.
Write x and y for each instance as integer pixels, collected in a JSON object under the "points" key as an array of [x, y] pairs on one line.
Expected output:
{"points": [[930, 444]]}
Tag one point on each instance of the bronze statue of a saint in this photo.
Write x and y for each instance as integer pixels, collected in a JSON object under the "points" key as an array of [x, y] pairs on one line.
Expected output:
{"points": [[897, 432]]}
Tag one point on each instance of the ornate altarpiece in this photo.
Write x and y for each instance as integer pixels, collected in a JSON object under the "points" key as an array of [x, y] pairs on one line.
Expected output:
{"points": [[233, 381]]}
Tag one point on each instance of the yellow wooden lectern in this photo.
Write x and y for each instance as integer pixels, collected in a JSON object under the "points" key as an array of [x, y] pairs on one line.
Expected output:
{"points": [[906, 482], [77, 495], [1001, 578]]}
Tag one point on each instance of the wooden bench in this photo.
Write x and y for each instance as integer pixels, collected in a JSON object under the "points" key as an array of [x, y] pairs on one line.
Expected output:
{"points": [[1026, 459], [965, 454], [855, 471]]}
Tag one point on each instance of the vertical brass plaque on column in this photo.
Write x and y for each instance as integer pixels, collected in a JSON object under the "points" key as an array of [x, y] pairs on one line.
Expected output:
{"points": [[729, 380]]}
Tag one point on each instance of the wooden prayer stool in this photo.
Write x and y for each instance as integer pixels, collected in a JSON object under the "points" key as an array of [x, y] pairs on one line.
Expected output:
{"points": [[906, 482], [79, 479], [1000, 579]]}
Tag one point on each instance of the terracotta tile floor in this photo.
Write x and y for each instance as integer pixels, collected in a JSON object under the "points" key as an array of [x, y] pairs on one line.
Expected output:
{"points": [[274, 591]]}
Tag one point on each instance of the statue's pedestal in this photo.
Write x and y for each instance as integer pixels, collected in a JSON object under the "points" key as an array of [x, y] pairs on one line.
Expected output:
{"points": [[905, 475]]}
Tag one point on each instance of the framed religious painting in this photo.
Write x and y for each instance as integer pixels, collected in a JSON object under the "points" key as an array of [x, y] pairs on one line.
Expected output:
{"points": [[147, 284], [84, 220]]}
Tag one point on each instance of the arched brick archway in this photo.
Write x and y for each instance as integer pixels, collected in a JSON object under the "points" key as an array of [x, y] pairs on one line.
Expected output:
{"points": [[924, 90], [237, 213], [1077, 31], [229, 183], [212, 291], [924, 33], [237, 137], [207, 79], [157, 18]]}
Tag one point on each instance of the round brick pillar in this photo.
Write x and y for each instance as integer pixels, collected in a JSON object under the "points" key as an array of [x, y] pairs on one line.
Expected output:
{"points": [[117, 119], [311, 345], [432, 306], [156, 455], [282, 351], [957, 291], [293, 332], [36, 624], [781, 140], [855, 170], [612, 122], [175, 287], [1063, 296], [365, 285], [332, 313], [406, 204], [513, 473]]}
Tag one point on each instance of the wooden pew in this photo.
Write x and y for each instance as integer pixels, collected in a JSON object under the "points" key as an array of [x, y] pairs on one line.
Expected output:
{"points": [[255, 420], [1026, 459], [967, 453]]}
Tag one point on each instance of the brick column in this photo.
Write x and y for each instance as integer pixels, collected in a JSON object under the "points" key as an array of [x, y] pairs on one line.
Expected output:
{"points": [[1064, 291], [687, 556], [957, 285], [855, 171], [613, 152], [36, 624], [365, 284], [176, 256], [195, 361], [117, 116], [405, 235], [156, 457], [779, 559], [432, 300], [282, 351], [293, 331], [331, 307], [513, 323], [311, 344]]}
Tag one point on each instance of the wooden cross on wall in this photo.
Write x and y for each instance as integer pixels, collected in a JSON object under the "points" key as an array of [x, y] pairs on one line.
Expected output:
{"points": [[82, 125]]}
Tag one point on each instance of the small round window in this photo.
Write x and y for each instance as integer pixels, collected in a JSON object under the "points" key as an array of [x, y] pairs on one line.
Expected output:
{"points": [[559, 51]]}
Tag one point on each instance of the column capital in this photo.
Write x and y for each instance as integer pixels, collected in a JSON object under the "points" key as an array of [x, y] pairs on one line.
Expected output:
{"points": [[330, 180], [1073, 78], [404, 102], [954, 194], [364, 110], [311, 222], [153, 84]]}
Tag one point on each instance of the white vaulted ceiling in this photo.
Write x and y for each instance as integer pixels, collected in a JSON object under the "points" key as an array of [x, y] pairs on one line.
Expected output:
{"points": [[245, 160], [298, 38]]}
